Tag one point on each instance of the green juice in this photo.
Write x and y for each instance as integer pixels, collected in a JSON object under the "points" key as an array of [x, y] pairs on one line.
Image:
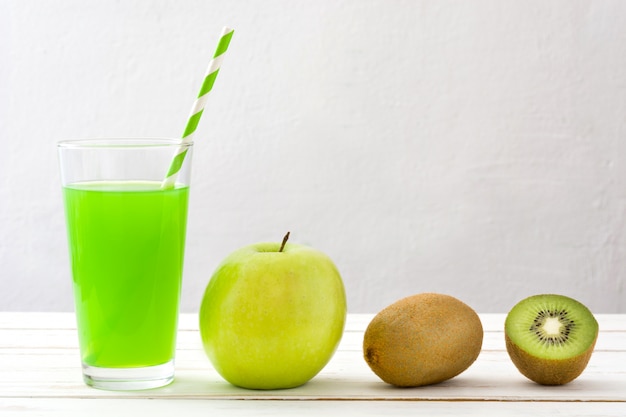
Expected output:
{"points": [[127, 243]]}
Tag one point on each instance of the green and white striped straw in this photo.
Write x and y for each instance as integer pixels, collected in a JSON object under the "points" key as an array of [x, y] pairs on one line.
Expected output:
{"points": [[198, 105]]}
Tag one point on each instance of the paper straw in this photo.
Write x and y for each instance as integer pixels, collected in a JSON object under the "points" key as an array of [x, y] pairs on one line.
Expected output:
{"points": [[198, 106]]}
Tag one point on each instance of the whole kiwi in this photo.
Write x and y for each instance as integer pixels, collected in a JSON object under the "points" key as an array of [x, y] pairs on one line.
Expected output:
{"points": [[550, 338], [422, 339]]}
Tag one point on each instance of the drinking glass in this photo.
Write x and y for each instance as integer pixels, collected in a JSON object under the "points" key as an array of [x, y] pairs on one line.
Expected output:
{"points": [[126, 233]]}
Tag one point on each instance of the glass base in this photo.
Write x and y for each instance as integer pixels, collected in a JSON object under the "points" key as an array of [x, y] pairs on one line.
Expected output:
{"points": [[128, 379]]}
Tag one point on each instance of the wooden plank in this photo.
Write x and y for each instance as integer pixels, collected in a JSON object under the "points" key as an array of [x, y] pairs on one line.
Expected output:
{"points": [[45, 337], [189, 321], [51, 407], [39, 359], [347, 376]]}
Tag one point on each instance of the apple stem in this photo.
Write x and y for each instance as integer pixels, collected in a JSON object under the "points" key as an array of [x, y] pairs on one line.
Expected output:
{"points": [[282, 246]]}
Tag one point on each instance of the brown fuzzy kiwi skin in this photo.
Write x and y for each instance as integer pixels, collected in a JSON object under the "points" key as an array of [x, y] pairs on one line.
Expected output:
{"points": [[548, 371], [422, 339]]}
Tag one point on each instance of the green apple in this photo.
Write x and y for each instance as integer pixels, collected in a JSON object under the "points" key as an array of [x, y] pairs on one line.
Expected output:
{"points": [[272, 315]]}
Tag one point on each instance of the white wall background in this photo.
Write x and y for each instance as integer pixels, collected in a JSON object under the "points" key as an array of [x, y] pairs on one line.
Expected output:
{"points": [[475, 148]]}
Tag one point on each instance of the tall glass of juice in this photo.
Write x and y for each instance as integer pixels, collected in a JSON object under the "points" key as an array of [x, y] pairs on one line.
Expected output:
{"points": [[126, 233]]}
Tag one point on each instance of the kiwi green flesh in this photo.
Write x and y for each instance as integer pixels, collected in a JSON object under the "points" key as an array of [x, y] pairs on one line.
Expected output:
{"points": [[550, 326]]}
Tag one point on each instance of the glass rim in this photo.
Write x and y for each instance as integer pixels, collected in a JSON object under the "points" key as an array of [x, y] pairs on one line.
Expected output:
{"points": [[123, 143]]}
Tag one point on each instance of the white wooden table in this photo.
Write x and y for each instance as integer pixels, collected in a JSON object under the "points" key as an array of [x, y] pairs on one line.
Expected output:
{"points": [[40, 376]]}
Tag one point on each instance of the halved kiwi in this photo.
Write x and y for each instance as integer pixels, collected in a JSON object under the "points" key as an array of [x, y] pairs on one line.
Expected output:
{"points": [[550, 338]]}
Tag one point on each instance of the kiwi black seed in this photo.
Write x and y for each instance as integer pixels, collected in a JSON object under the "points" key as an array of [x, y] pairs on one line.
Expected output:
{"points": [[550, 338]]}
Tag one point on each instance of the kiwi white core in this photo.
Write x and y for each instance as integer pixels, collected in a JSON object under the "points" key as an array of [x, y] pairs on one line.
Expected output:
{"points": [[552, 326]]}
